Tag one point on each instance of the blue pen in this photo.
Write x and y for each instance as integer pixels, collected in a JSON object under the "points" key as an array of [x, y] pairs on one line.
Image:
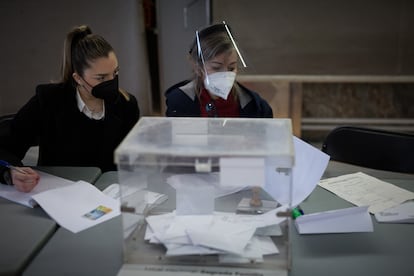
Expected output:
{"points": [[11, 167]]}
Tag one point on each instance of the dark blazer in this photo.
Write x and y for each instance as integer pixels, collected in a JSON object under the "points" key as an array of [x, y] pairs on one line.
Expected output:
{"points": [[67, 137], [181, 101]]}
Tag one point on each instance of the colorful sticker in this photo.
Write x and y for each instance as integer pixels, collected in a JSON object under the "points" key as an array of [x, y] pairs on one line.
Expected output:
{"points": [[97, 212]]}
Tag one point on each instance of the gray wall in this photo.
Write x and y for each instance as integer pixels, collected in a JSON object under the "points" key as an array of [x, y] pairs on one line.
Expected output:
{"points": [[346, 37], [32, 43], [275, 36], [176, 30]]}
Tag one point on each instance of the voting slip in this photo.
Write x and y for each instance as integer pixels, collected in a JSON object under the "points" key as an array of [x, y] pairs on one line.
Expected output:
{"points": [[46, 182], [403, 213], [78, 206], [348, 220]]}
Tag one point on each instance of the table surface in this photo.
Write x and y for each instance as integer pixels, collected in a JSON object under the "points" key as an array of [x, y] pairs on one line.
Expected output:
{"points": [[25, 230], [386, 251]]}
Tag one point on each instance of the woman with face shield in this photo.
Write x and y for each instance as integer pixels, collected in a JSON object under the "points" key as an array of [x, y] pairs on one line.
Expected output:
{"points": [[213, 91], [76, 122]]}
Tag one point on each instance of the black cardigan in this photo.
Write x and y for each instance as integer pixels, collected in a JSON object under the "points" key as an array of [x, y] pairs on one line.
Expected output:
{"points": [[66, 137]]}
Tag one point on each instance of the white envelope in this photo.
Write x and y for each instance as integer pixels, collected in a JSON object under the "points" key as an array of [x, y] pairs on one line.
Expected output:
{"points": [[354, 219]]}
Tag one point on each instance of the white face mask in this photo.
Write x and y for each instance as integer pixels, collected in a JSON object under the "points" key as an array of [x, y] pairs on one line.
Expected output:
{"points": [[220, 83]]}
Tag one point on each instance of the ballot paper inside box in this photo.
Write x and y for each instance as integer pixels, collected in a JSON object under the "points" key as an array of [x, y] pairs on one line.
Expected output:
{"points": [[205, 167]]}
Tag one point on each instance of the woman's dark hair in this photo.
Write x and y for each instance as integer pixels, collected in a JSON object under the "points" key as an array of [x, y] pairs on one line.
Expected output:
{"points": [[80, 48]]}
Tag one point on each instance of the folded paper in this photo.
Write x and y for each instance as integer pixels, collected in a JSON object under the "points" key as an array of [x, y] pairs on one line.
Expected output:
{"points": [[354, 219]]}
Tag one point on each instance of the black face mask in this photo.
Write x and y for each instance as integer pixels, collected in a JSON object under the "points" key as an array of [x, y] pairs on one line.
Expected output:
{"points": [[107, 90]]}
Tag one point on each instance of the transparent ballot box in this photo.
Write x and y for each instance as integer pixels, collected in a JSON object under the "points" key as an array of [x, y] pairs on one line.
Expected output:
{"points": [[206, 195]]}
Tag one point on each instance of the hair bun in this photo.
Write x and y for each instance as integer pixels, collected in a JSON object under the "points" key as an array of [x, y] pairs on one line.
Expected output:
{"points": [[79, 33]]}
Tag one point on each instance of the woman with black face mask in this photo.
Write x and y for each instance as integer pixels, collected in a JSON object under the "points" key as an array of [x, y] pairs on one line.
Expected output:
{"points": [[76, 122]]}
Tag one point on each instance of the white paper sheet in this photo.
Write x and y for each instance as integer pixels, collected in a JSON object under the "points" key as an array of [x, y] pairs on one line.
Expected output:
{"points": [[46, 182], [158, 224], [177, 230], [364, 190], [222, 236], [403, 213], [78, 206], [354, 219], [310, 164], [254, 251], [242, 172], [269, 231], [187, 249]]}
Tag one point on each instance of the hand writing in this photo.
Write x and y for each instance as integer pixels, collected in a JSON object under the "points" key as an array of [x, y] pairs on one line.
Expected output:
{"points": [[25, 182]]}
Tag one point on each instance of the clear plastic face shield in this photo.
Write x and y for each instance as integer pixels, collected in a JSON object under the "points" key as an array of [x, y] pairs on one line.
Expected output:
{"points": [[219, 83]]}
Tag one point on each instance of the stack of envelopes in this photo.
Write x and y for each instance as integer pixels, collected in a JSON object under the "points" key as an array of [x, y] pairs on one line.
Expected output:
{"points": [[234, 237]]}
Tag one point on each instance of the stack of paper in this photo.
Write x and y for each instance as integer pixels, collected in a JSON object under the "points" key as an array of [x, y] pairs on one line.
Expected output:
{"points": [[230, 235]]}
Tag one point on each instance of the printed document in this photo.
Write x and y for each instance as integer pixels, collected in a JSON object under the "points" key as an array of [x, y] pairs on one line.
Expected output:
{"points": [[403, 213], [364, 190]]}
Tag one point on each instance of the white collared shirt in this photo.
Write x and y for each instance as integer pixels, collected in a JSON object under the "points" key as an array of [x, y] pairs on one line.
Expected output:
{"points": [[85, 110]]}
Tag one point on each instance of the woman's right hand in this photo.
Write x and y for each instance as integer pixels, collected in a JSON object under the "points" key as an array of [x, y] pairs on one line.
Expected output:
{"points": [[25, 182]]}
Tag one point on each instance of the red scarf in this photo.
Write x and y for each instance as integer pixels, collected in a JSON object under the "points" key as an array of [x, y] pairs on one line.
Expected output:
{"points": [[218, 107]]}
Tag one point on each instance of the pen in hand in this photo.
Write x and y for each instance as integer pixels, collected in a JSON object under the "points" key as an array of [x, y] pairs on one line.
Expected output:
{"points": [[23, 179], [11, 167]]}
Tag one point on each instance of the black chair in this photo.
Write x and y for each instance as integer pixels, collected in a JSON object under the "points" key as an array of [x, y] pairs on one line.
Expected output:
{"points": [[371, 148]]}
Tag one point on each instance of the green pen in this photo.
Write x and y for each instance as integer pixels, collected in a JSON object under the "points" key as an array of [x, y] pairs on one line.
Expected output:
{"points": [[296, 212]]}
